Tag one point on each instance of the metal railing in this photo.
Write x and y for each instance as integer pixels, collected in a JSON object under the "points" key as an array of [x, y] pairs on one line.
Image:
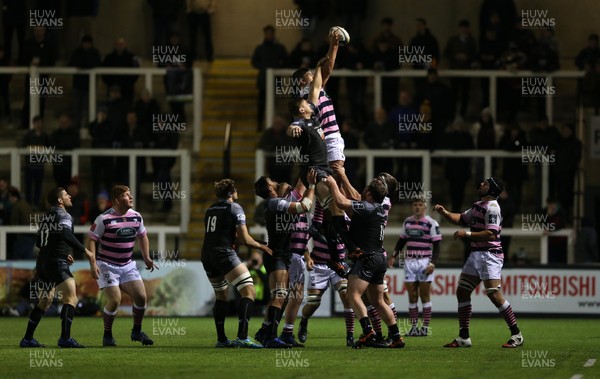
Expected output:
{"points": [[378, 76], [160, 231], [426, 157], [147, 73], [132, 154], [506, 232]]}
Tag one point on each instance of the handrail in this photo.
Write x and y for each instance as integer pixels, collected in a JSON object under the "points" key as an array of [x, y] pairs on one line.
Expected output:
{"points": [[76, 154], [161, 231], [147, 72], [510, 232], [227, 151], [371, 154], [493, 75]]}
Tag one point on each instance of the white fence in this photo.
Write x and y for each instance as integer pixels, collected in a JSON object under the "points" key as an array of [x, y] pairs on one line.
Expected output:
{"points": [[426, 176], [76, 154], [378, 76], [147, 73]]}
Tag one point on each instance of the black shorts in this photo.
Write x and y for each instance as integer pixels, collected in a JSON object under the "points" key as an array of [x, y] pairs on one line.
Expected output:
{"points": [[280, 260], [219, 261], [322, 172], [371, 269], [52, 273]]}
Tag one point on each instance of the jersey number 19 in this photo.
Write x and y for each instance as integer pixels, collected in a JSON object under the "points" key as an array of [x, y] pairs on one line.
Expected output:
{"points": [[211, 224]]}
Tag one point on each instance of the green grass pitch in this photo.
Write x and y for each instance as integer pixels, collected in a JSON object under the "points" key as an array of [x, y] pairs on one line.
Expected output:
{"points": [[554, 348]]}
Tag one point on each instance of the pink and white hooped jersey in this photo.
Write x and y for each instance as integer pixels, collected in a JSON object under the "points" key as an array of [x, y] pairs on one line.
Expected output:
{"points": [[116, 235], [484, 215], [420, 235]]}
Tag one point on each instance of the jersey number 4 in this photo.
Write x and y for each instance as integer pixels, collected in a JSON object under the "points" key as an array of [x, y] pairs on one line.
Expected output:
{"points": [[211, 224]]}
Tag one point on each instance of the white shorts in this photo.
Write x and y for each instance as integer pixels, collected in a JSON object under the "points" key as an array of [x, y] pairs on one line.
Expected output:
{"points": [[335, 147], [113, 275], [484, 265], [296, 271], [414, 270], [321, 276]]}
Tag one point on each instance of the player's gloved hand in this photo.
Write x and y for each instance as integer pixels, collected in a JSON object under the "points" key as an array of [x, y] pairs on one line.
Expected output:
{"points": [[340, 268]]}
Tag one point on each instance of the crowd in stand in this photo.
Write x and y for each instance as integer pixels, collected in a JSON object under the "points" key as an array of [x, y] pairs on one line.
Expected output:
{"points": [[125, 120]]}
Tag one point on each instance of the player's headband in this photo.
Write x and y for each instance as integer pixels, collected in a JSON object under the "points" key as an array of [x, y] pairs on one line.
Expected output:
{"points": [[496, 187], [382, 178]]}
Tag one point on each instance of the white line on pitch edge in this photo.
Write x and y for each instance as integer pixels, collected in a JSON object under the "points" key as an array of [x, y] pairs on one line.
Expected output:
{"points": [[589, 363], [577, 376]]}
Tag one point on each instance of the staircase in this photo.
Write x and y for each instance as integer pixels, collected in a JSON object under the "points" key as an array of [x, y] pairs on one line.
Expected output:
{"points": [[229, 97]]}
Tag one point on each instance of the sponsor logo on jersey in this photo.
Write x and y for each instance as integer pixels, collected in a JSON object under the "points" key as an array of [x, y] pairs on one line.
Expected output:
{"points": [[126, 232]]}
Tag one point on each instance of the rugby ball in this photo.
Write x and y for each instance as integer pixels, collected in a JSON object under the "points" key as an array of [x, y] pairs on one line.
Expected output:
{"points": [[344, 36]]}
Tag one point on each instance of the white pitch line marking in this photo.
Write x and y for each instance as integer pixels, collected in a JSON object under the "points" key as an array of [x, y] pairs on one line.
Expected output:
{"points": [[577, 376], [589, 363]]}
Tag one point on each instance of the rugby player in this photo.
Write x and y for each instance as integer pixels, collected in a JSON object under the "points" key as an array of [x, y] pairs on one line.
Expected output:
{"points": [[485, 261]]}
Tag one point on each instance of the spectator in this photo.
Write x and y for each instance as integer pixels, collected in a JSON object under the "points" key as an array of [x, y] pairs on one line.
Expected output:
{"points": [[86, 56], [5, 111], [356, 57], [102, 131], [544, 55], [132, 136], [64, 138], [303, 55], [198, 15], [35, 139], [568, 155], [510, 89], [161, 166], [269, 54], [80, 211], [121, 57], [589, 55], [439, 96], [401, 117], [352, 13], [117, 109], [546, 137], [14, 17], [514, 171], [461, 52], [385, 58], [100, 206], [426, 41], [4, 202], [179, 80], [425, 45], [381, 134], [498, 14], [164, 14], [487, 135], [147, 110], [387, 34], [586, 245], [274, 140], [20, 214], [589, 88], [490, 52], [522, 38], [457, 170], [37, 51], [314, 11], [555, 221]]}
